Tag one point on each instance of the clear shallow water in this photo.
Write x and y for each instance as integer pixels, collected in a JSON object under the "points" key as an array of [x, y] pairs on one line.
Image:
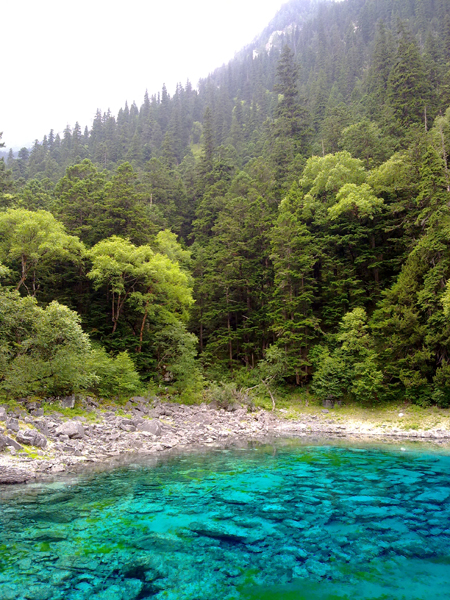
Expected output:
{"points": [[285, 522]]}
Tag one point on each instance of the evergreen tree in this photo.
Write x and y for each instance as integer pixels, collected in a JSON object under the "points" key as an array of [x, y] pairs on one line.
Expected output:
{"points": [[294, 255], [79, 200], [408, 91], [206, 163], [122, 212], [7, 186]]}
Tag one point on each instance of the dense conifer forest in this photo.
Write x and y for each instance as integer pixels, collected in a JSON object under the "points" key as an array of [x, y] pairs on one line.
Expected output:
{"points": [[285, 223]]}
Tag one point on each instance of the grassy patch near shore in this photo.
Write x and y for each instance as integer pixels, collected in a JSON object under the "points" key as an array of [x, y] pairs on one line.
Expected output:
{"points": [[387, 416], [382, 416]]}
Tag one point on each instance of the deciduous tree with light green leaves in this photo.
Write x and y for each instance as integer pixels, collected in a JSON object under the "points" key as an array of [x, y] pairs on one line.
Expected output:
{"points": [[42, 350], [31, 243], [147, 280], [324, 176], [358, 200], [152, 293]]}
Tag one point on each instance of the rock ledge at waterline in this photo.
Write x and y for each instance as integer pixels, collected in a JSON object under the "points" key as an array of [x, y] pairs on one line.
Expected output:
{"points": [[35, 447]]}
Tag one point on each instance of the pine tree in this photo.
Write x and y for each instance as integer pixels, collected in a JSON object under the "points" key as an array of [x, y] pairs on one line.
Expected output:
{"points": [[79, 199], [380, 66], [408, 90], [291, 130], [289, 115], [294, 255], [6, 185], [123, 212], [205, 168]]}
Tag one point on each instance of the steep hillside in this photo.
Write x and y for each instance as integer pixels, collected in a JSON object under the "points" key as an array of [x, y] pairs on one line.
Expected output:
{"points": [[308, 184]]}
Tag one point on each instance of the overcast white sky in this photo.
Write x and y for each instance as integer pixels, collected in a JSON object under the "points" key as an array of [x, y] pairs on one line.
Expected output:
{"points": [[61, 60]]}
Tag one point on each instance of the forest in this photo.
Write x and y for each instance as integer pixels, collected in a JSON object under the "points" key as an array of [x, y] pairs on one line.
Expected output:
{"points": [[284, 226]]}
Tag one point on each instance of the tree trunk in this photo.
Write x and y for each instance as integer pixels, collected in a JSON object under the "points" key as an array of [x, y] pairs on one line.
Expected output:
{"points": [[270, 394], [141, 333], [24, 273], [230, 346]]}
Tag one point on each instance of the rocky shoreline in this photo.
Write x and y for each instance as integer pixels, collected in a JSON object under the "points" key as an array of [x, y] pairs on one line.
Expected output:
{"points": [[36, 447]]}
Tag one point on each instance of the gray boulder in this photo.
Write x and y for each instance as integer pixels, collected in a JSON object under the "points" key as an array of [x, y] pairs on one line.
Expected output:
{"points": [[42, 426], [38, 412], [12, 424], [74, 429], [2, 413], [31, 437], [89, 403], [153, 426], [127, 425], [3, 442], [140, 410], [68, 402], [154, 412], [204, 418], [11, 442]]}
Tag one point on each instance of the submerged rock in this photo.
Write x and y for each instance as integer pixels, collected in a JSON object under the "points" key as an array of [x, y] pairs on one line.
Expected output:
{"points": [[437, 495], [50, 536], [227, 532]]}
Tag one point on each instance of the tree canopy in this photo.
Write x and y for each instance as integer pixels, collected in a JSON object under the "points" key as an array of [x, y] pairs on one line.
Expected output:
{"points": [[286, 221]]}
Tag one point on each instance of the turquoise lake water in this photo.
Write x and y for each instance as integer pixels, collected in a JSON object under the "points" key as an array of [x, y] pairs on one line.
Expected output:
{"points": [[283, 521]]}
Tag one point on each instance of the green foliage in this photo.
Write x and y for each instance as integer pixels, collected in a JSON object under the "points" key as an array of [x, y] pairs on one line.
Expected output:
{"points": [[365, 140], [43, 351], [411, 325], [166, 243], [115, 376], [294, 254], [80, 196], [7, 187], [359, 200], [176, 350], [34, 242], [351, 369], [408, 90], [228, 396], [122, 211], [273, 367], [331, 379], [324, 176], [291, 131], [280, 248], [150, 282]]}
